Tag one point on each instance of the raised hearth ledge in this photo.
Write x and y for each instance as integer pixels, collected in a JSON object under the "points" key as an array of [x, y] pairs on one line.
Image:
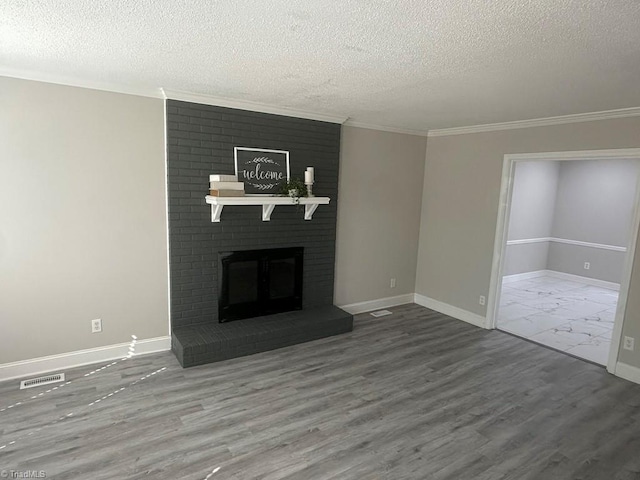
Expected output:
{"points": [[268, 204], [202, 343]]}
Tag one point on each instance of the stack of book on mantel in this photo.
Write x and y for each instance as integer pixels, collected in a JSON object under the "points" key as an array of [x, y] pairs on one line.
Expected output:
{"points": [[225, 186]]}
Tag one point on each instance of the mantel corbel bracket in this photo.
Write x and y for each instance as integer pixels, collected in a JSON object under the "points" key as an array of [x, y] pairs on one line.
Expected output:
{"points": [[266, 212], [309, 209], [216, 211]]}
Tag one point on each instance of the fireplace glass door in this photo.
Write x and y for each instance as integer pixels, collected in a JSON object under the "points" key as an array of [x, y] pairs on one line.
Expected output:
{"points": [[259, 282]]}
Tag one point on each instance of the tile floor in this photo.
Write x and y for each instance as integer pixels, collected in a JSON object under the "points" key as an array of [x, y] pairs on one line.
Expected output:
{"points": [[565, 315]]}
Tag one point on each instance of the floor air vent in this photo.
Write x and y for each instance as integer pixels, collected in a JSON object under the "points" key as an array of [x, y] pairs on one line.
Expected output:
{"points": [[46, 380], [381, 313]]}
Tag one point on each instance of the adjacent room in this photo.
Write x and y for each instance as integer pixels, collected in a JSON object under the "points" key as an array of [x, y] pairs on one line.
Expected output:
{"points": [[569, 229], [319, 240]]}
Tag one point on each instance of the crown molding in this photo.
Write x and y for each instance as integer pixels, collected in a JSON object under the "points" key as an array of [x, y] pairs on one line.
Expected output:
{"points": [[384, 128], [249, 105], [617, 153], [81, 83], [291, 112], [538, 122]]}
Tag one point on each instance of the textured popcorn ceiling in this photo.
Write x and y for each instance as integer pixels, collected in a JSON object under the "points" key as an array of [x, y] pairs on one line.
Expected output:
{"points": [[408, 64]]}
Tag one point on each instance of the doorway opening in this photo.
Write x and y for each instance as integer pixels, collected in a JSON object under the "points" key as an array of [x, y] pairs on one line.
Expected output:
{"points": [[567, 229]]}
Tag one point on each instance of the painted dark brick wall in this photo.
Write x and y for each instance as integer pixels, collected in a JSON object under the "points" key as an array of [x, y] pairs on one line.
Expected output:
{"points": [[200, 141]]}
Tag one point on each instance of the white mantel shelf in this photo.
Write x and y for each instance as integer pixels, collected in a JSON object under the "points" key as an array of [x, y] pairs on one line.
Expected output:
{"points": [[268, 204]]}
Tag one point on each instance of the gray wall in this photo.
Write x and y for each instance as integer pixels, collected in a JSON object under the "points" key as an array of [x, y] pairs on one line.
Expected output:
{"points": [[535, 185], [460, 207], [532, 210], [605, 264], [82, 219], [527, 257], [594, 204], [595, 201], [378, 215]]}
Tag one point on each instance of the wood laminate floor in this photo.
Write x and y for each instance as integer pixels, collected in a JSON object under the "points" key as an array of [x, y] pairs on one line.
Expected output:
{"points": [[415, 395]]}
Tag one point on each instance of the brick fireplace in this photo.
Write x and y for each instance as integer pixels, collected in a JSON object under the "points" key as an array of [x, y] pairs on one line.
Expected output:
{"points": [[200, 142]]}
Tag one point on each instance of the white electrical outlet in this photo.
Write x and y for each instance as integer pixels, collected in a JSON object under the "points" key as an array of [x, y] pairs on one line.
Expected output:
{"points": [[96, 325], [628, 343], [482, 300], [587, 265], [393, 283]]}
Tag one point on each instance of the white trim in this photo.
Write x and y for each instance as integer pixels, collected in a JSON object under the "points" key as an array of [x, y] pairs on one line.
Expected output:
{"points": [[579, 243], [507, 279], [602, 246], [268, 204], [385, 128], [166, 211], [628, 372], [526, 241], [617, 153], [249, 105], [36, 366], [82, 83], [500, 239], [369, 306], [538, 122], [516, 277], [625, 283], [586, 280], [455, 312], [155, 92]]}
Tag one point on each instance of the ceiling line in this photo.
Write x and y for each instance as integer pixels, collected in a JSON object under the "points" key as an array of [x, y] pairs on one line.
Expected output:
{"points": [[538, 122]]}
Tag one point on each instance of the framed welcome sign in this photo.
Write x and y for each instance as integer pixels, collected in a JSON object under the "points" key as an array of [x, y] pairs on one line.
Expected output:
{"points": [[263, 172]]}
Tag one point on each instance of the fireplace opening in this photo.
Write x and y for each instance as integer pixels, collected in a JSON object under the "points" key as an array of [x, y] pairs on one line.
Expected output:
{"points": [[259, 282]]}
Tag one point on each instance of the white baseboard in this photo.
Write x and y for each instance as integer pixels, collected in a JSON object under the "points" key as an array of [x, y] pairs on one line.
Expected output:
{"points": [[523, 276], [361, 307], [455, 312], [628, 372], [564, 276], [63, 361], [586, 280]]}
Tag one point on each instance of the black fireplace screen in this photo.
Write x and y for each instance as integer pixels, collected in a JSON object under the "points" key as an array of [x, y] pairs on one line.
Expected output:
{"points": [[259, 282]]}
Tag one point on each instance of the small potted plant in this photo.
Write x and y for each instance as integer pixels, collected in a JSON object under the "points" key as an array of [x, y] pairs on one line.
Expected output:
{"points": [[294, 188]]}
